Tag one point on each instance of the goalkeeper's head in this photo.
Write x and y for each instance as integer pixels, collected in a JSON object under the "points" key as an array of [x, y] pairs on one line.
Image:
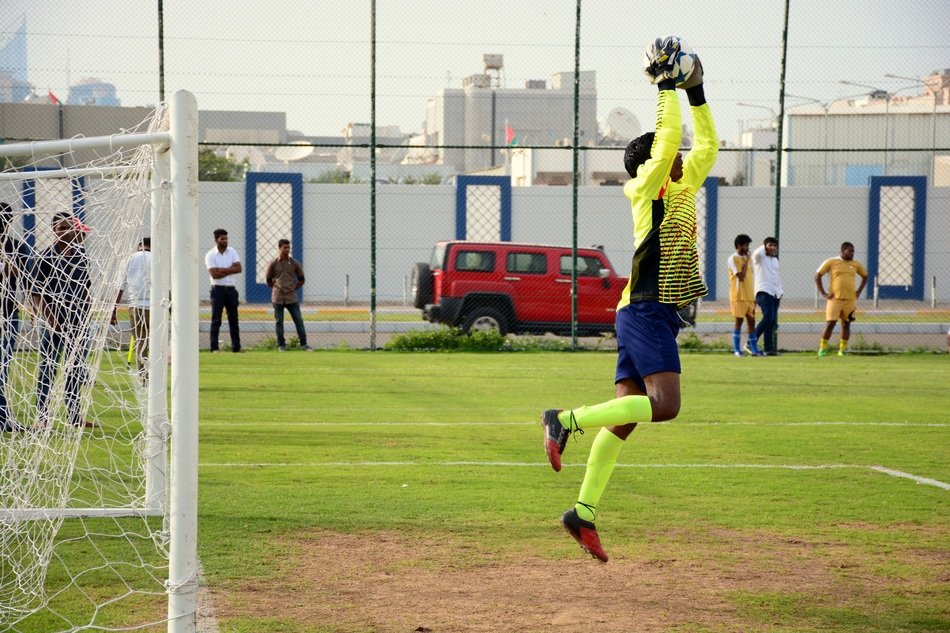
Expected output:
{"points": [[638, 151]]}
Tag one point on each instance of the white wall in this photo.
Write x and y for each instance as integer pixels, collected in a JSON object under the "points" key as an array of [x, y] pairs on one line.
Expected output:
{"points": [[410, 218]]}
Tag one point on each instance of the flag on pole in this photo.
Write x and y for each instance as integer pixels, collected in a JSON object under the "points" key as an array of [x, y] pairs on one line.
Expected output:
{"points": [[510, 138], [53, 98]]}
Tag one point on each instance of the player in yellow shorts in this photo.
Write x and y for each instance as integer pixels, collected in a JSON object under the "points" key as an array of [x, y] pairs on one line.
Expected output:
{"points": [[843, 297], [742, 296]]}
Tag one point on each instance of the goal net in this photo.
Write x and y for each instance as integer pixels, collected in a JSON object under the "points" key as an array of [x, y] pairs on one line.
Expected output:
{"points": [[85, 535]]}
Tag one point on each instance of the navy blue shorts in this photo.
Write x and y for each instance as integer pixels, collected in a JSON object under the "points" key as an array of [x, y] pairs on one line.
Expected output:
{"points": [[646, 341]]}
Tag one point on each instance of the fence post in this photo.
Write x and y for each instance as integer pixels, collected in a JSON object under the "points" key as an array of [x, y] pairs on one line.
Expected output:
{"points": [[346, 289], [933, 291], [877, 290]]}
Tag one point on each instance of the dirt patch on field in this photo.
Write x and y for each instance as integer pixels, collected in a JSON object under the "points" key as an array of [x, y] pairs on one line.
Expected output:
{"points": [[394, 583]]}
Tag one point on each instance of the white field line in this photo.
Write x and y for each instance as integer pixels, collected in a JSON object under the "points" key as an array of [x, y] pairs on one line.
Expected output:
{"points": [[920, 480], [535, 422], [880, 469], [205, 620]]}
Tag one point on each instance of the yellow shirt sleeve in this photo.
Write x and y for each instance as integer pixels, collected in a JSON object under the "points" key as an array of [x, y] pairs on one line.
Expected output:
{"points": [[700, 160], [653, 174]]}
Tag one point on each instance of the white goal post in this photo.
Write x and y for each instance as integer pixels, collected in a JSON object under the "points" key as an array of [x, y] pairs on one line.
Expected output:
{"points": [[36, 517]]}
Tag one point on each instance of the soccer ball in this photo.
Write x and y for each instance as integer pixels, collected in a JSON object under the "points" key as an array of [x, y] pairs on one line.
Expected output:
{"points": [[683, 64]]}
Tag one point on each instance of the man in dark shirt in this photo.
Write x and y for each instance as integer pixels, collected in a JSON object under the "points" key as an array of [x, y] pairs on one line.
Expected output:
{"points": [[61, 296], [13, 258], [285, 277]]}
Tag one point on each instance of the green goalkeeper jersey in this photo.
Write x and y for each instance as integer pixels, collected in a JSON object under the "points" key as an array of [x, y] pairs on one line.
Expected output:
{"points": [[665, 264]]}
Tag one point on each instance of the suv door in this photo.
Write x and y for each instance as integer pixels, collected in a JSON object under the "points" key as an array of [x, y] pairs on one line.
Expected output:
{"points": [[597, 297], [536, 297]]}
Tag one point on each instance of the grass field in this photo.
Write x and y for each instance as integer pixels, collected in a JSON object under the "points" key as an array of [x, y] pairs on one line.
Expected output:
{"points": [[357, 491]]}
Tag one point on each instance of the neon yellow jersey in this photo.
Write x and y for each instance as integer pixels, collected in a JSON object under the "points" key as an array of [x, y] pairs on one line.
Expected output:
{"points": [[665, 265], [842, 276], [744, 289]]}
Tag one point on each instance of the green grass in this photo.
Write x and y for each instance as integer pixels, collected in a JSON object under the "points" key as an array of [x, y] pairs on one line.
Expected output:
{"points": [[431, 409], [445, 447]]}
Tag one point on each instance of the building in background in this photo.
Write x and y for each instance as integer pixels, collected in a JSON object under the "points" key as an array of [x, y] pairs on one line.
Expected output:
{"points": [[14, 86], [901, 133], [13, 58], [92, 91], [487, 116]]}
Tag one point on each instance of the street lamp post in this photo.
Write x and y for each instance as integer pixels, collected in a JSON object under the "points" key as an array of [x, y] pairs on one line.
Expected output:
{"points": [[824, 145], [773, 121], [933, 130]]}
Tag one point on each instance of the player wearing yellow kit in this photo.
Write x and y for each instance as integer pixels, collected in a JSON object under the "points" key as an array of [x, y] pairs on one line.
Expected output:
{"points": [[664, 276], [742, 296], [843, 297]]}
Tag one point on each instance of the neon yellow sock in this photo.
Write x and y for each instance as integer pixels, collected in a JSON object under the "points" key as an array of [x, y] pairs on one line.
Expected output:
{"points": [[614, 412], [823, 344], [600, 465], [842, 345]]}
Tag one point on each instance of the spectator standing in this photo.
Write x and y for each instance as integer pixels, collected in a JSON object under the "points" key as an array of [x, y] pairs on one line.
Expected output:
{"points": [[61, 294], [14, 255], [742, 296], [843, 298], [285, 277], [223, 265], [138, 291], [768, 293]]}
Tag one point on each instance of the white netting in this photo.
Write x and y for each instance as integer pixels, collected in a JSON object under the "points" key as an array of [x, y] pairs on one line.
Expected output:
{"points": [[83, 539]]}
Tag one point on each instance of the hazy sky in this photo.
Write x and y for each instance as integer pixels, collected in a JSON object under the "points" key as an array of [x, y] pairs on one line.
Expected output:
{"points": [[311, 58]]}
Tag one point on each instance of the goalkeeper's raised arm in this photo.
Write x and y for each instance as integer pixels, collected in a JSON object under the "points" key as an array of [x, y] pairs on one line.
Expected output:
{"points": [[701, 158]]}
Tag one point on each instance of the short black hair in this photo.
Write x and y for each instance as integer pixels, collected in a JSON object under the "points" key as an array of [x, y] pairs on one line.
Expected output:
{"points": [[283, 241], [637, 153], [219, 232], [770, 240], [845, 245], [61, 216], [147, 242], [741, 239]]}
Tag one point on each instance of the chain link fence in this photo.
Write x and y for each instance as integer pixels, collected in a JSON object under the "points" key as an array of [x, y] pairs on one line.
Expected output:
{"points": [[369, 134]]}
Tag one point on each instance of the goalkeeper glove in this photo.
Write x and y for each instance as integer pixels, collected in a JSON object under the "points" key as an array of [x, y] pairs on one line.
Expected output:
{"points": [[659, 58], [696, 77]]}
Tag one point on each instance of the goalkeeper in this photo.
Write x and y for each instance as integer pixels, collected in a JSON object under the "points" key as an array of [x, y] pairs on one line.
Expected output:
{"points": [[664, 276]]}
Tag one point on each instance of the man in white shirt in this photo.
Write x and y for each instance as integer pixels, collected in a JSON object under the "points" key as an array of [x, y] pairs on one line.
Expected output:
{"points": [[223, 264], [138, 292], [768, 293]]}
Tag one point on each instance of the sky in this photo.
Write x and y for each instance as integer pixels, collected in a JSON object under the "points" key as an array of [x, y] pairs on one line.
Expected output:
{"points": [[311, 58]]}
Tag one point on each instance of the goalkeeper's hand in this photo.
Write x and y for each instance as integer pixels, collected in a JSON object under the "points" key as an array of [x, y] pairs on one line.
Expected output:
{"points": [[696, 77], [659, 57]]}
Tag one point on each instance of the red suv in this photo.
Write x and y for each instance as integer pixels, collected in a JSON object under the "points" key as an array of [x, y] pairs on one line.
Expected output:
{"points": [[512, 287]]}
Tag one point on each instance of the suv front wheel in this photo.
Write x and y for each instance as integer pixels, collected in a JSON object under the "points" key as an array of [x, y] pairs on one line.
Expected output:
{"points": [[484, 318]]}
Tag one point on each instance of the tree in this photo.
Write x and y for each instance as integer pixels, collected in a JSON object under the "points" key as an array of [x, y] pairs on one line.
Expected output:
{"points": [[337, 176], [219, 168]]}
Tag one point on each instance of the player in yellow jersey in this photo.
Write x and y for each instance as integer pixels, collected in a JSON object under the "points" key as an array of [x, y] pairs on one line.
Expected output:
{"points": [[742, 296], [664, 276], [843, 298]]}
